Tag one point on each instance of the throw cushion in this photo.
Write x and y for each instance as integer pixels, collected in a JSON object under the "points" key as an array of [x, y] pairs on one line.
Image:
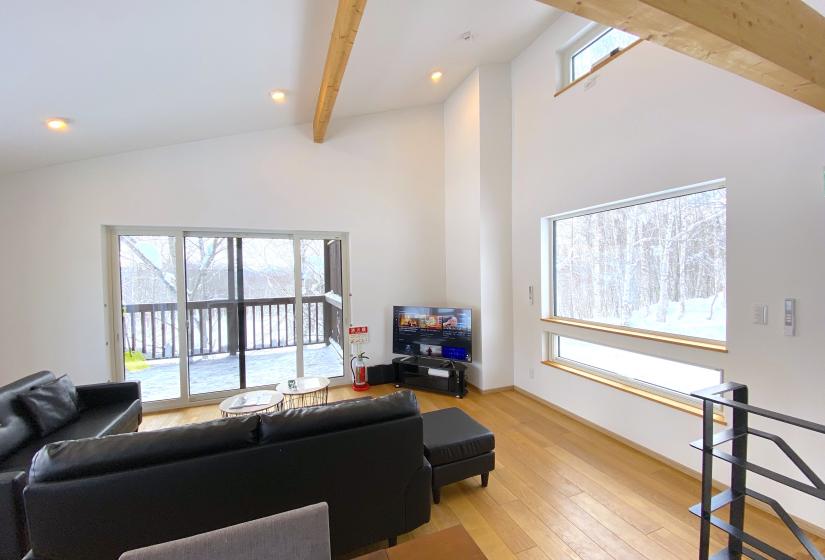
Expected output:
{"points": [[52, 405]]}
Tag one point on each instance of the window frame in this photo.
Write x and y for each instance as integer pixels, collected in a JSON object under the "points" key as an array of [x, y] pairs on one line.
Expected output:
{"points": [[577, 52], [580, 42], [112, 299], [553, 357], [549, 270]]}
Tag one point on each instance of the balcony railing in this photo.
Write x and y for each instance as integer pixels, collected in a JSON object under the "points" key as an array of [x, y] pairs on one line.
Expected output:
{"points": [[741, 543], [152, 328]]}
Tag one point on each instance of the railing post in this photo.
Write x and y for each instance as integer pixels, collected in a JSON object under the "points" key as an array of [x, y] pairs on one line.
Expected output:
{"points": [[707, 479], [152, 321], [327, 321], [174, 315], [738, 474]]}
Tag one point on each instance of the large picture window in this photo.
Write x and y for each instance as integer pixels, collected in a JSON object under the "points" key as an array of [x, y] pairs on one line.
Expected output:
{"points": [[654, 264]]}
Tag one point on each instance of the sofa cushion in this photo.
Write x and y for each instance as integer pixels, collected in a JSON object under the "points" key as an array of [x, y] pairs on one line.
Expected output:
{"points": [[68, 460], [452, 435], [308, 421], [51, 405], [117, 418], [15, 426]]}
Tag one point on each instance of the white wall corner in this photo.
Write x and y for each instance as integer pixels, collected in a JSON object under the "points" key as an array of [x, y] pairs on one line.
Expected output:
{"points": [[478, 172]]}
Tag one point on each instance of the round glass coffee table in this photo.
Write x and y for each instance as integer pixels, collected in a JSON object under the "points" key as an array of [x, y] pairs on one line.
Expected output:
{"points": [[304, 391], [252, 402]]}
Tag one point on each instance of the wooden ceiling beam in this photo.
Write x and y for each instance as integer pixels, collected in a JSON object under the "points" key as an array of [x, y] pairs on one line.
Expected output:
{"points": [[779, 44], [347, 20]]}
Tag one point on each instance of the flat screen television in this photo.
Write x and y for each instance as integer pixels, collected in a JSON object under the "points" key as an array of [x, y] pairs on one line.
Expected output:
{"points": [[437, 332]]}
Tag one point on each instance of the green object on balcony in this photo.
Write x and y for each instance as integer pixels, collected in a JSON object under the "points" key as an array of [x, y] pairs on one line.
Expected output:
{"points": [[134, 361]]}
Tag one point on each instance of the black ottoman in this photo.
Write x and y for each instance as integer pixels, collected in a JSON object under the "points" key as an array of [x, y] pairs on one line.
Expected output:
{"points": [[457, 447]]}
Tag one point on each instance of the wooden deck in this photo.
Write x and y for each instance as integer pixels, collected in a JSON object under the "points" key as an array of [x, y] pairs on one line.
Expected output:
{"points": [[561, 490]]}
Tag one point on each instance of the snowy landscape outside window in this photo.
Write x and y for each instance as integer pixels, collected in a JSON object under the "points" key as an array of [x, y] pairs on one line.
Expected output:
{"points": [[656, 265]]}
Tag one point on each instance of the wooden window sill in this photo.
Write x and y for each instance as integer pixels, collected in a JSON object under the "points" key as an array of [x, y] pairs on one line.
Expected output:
{"points": [[597, 67], [627, 388], [701, 343]]}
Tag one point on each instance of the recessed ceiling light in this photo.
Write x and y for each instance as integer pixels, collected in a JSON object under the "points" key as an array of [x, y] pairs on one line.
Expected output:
{"points": [[57, 123], [277, 95], [436, 76]]}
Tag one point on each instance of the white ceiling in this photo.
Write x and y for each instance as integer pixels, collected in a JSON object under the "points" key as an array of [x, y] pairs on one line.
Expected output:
{"points": [[134, 75], [402, 42]]}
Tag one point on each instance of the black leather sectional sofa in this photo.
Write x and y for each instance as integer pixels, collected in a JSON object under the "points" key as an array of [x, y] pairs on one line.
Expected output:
{"points": [[106, 408], [93, 499]]}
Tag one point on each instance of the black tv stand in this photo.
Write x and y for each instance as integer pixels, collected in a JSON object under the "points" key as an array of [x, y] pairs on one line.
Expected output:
{"points": [[413, 371]]}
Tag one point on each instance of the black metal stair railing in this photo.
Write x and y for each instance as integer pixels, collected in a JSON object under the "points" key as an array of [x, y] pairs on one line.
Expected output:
{"points": [[738, 435]]}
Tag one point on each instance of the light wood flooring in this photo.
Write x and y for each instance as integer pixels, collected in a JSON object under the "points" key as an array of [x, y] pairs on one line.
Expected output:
{"points": [[561, 490]]}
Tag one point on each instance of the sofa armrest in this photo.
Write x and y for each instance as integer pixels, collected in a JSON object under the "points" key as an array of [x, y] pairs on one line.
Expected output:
{"points": [[418, 495], [13, 536], [299, 533], [100, 394]]}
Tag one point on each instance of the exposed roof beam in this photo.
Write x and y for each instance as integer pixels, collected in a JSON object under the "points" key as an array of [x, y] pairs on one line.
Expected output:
{"points": [[347, 20], [779, 44]]}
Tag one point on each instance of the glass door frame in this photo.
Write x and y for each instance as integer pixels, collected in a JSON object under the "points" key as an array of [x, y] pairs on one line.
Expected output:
{"points": [[116, 358]]}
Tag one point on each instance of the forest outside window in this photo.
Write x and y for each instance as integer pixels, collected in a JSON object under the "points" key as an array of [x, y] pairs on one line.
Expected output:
{"points": [[655, 264]]}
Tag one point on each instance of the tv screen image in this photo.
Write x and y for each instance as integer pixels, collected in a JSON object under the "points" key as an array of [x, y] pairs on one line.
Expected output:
{"points": [[436, 332]]}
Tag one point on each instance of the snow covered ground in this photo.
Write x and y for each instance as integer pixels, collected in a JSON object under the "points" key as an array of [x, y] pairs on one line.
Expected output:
{"points": [[219, 372], [696, 321]]}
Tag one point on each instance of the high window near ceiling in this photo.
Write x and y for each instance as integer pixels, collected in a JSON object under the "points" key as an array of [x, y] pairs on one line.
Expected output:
{"points": [[592, 49], [652, 267]]}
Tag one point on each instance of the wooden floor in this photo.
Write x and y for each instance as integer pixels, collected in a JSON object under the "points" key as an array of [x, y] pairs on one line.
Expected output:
{"points": [[561, 490]]}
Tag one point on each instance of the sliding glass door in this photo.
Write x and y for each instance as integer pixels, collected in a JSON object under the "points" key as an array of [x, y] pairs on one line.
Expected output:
{"points": [[148, 320], [322, 303], [271, 347], [212, 304], [258, 309]]}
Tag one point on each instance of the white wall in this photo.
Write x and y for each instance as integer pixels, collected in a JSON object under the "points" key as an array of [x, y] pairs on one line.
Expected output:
{"points": [[495, 225], [462, 207], [378, 177], [656, 119], [477, 212]]}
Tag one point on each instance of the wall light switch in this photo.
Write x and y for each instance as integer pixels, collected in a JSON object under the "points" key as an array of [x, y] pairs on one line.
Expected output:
{"points": [[760, 314], [790, 317]]}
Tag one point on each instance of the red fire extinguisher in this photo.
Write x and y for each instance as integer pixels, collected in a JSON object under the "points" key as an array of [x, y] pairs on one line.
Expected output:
{"points": [[359, 372]]}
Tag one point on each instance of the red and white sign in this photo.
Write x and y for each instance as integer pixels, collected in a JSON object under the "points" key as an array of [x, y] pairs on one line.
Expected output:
{"points": [[359, 335]]}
